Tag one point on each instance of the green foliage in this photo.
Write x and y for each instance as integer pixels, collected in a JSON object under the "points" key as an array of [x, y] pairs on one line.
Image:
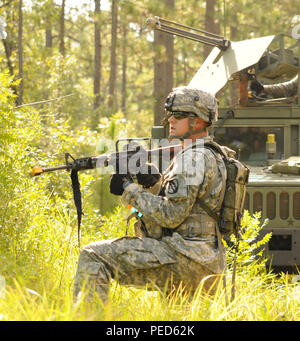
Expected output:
{"points": [[28, 206], [247, 247], [47, 75]]}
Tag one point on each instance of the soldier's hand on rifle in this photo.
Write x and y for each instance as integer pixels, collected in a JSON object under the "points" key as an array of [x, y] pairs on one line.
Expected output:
{"points": [[148, 175], [118, 182], [256, 87]]}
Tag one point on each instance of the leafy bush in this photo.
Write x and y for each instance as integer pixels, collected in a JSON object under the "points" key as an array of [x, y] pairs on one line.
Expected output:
{"points": [[37, 215], [247, 248]]}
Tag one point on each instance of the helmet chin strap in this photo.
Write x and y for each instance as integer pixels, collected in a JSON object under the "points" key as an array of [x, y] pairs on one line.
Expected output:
{"points": [[190, 132]]}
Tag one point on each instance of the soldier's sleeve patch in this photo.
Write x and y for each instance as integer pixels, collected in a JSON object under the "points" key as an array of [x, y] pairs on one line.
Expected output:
{"points": [[173, 186], [176, 187]]}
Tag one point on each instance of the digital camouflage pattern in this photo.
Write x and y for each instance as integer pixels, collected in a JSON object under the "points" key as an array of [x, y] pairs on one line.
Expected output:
{"points": [[285, 89], [180, 243], [199, 102]]}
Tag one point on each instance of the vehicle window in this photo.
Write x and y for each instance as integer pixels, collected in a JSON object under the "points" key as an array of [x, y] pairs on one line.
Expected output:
{"points": [[250, 142]]}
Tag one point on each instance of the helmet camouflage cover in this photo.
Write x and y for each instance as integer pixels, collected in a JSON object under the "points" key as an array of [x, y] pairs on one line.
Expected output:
{"points": [[193, 100]]}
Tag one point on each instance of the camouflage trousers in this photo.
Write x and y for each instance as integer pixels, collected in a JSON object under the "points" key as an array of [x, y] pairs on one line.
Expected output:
{"points": [[139, 262]]}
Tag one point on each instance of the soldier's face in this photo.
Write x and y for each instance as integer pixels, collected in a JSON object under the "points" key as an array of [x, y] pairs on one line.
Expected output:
{"points": [[178, 127]]}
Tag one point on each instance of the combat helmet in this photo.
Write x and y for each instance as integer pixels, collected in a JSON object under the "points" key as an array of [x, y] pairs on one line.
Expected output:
{"points": [[193, 101]]}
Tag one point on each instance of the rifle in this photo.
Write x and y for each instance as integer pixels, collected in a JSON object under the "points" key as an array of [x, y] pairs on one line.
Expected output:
{"points": [[119, 161]]}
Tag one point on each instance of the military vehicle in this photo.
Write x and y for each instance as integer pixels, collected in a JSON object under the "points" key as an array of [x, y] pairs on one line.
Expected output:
{"points": [[263, 131]]}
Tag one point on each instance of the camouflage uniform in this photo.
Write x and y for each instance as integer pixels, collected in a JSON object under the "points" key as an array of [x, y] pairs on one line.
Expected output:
{"points": [[285, 89], [177, 243]]}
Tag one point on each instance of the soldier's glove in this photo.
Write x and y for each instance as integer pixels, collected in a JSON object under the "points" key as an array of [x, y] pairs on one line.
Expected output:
{"points": [[118, 182], [148, 175], [256, 87]]}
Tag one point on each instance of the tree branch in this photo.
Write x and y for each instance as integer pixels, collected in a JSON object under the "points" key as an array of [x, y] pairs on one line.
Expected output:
{"points": [[41, 102]]}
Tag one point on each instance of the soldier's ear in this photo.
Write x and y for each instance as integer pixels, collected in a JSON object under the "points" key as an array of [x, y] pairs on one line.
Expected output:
{"points": [[199, 123]]}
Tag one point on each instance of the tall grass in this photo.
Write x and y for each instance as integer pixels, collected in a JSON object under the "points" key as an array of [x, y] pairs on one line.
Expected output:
{"points": [[263, 298], [43, 291]]}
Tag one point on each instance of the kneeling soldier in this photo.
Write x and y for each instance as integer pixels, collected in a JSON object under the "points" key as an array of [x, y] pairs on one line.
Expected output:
{"points": [[177, 242]]}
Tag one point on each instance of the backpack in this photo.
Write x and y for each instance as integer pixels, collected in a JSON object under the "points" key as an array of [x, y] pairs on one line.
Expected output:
{"points": [[233, 203]]}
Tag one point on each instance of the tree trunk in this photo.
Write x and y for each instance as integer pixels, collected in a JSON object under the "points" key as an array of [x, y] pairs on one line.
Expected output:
{"points": [[97, 84], [163, 68], [209, 23], [7, 49], [62, 29], [113, 63], [20, 54], [48, 11], [48, 34], [97, 57], [8, 44], [169, 44], [124, 68]]}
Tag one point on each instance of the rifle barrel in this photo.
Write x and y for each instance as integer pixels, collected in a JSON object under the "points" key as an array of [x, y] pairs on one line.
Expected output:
{"points": [[38, 170], [104, 160]]}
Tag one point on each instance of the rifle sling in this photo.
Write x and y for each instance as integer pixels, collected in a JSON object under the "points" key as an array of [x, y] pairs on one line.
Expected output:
{"points": [[77, 199]]}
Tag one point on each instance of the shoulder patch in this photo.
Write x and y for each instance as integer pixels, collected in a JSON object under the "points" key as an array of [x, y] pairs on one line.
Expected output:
{"points": [[173, 186]]}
